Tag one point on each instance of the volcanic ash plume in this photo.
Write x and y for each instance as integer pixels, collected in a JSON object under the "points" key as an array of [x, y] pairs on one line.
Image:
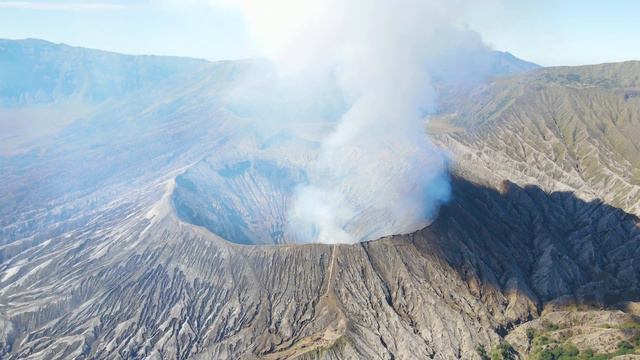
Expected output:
{"points": [[377, 173]]}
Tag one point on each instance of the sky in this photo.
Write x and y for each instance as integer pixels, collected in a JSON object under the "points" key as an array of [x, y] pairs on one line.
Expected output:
{"points": [[569, 32]]}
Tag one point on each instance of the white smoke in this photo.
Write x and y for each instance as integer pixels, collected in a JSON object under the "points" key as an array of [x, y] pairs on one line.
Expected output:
{"points": [[377, 173]]}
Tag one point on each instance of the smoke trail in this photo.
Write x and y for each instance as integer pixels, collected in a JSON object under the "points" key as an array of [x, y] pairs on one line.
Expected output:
{"points": [[377, 173]]}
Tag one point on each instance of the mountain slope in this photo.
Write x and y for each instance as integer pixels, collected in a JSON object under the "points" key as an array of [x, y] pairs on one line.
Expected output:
{"points": [[46, 87], [565, 129], [155, 286], [121, 233]]}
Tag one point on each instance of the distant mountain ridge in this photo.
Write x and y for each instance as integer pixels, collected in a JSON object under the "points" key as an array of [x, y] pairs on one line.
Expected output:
{"points": [[37, 71]]}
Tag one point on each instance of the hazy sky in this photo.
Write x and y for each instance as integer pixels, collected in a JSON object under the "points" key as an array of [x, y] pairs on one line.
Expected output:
{"points": [[548, 32]]}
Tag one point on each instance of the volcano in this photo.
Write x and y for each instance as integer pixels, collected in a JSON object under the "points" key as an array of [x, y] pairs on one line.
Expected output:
{"points": [[150, 222]]}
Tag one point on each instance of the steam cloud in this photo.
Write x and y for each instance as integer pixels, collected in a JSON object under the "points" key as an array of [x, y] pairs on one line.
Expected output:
{"points": [[378, 173]]}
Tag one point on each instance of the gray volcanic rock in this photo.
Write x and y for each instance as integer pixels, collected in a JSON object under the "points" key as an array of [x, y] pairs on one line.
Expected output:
{"points": [[154, 286], [564, 129], [244, 202], [120, 234]]}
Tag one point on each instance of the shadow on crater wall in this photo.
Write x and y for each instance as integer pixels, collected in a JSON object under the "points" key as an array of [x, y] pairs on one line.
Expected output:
{"points": [[543, 245]]}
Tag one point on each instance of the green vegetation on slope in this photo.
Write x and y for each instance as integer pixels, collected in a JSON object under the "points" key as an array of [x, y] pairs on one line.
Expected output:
{"points": [[548, 347]]}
